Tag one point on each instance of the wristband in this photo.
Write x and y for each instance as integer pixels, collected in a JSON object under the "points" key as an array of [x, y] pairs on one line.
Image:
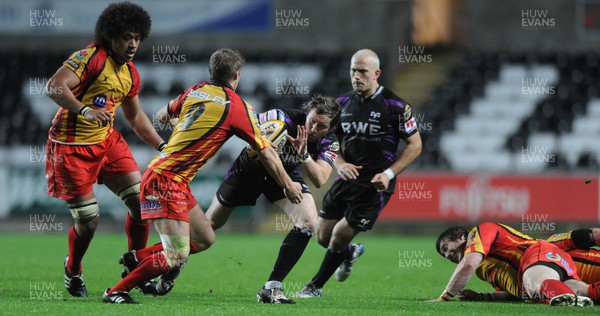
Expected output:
{"points": [[390, 173], [84, 109], [162, 146], [447, 296], [306, 158]]}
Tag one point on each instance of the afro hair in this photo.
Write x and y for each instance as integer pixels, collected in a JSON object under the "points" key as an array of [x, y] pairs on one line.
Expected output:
{"points": [[120, 18]]}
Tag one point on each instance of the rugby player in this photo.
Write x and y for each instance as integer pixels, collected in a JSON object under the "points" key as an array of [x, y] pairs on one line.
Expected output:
{"points": [[83, 147], [208, 114], [518, 266], [315, 148], [578, 244], [372, 123]]}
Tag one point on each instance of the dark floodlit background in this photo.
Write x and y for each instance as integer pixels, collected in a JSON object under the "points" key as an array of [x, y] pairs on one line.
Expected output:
{"points": [[506, 95]]}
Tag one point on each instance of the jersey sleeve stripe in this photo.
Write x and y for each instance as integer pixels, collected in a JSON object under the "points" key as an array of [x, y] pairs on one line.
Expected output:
{"points": [[86, 82]]}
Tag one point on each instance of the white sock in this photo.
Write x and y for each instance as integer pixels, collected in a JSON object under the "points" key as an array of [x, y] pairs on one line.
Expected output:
{"points": [[273, 285]]}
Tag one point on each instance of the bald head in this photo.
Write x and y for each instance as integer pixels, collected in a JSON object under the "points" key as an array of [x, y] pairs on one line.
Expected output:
{"points": [[368, 56], [364, 72]]}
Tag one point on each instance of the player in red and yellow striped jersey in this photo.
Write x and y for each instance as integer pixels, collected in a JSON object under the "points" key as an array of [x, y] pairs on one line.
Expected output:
{"points": [[578, 244], [207, 115], [517, 265], [83, 147]]}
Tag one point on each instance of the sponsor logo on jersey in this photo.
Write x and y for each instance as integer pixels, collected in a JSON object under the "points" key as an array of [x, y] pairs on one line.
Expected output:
{"points": [[151, 207], [272, 115], [335, 146], [375, 115], [80, 56], [364, 222], [72, 63], [470, 240], [407, 113], [214, 98], [410, 125], [99, 100], [330, 155]]}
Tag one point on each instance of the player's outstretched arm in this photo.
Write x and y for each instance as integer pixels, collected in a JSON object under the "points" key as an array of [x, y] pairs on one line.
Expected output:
{"points": [[461, 276], [140, 123], [270, 159], [498, 296]]}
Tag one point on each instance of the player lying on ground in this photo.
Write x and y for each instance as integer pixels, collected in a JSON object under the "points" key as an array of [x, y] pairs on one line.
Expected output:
{"points": [[83, 147], [520, 267], [578, 245], [208, 115]]}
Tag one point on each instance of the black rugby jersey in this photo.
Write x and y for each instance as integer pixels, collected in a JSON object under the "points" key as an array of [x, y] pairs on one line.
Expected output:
{"points": [[327, 148], [371, 130]]}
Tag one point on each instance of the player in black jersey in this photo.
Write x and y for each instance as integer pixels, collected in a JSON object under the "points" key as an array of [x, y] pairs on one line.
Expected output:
{"points": [[315, 148], [372, 123]]}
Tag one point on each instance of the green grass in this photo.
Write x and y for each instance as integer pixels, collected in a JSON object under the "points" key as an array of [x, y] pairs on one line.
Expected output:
{"points": [[225, 279]]}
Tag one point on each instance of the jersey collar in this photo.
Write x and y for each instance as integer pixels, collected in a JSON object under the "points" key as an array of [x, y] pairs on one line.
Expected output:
{"points": [[372, 96]]}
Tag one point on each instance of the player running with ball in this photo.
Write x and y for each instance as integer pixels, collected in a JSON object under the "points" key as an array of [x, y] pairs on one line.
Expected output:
{"points": [[315, 149]]}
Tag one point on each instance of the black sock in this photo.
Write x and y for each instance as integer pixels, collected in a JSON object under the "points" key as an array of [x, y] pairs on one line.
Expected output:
{"points": [[330, 263], [290, 252]]}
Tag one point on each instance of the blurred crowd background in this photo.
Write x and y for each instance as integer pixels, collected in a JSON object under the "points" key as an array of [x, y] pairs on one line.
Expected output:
{"points": [[506, 95]]}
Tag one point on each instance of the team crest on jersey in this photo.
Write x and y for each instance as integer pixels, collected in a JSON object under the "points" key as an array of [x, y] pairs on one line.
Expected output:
{"points": [[407, 112], [99, 100], [335, 146]]}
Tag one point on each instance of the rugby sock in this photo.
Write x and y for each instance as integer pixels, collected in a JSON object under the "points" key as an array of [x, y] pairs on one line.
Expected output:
{"points": [[147, 252], [193, 248], [137, 233], [551, 288], [77, 247], [594, 292], [290, 252], [149, 268], [330, 263]]}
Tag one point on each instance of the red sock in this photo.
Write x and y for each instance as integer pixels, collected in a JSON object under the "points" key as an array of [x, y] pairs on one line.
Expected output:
{"points": [[137, 233], [551, 288], [594, 292], [149, 268], [77, 248], [147, 252], [193, 249]]}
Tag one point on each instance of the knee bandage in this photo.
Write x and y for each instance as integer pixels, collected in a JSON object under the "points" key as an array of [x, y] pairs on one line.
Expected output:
{"points": [[127, 192], [84, 211], [176, 247]]}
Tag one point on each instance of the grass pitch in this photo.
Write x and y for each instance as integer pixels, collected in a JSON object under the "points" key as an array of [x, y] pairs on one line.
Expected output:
{"points": [[394, 276]]}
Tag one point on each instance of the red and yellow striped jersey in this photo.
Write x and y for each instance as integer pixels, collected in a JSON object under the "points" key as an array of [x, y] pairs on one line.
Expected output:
{"points": [[502, 248], [208, 115], [587, 262], [104, 84]]}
